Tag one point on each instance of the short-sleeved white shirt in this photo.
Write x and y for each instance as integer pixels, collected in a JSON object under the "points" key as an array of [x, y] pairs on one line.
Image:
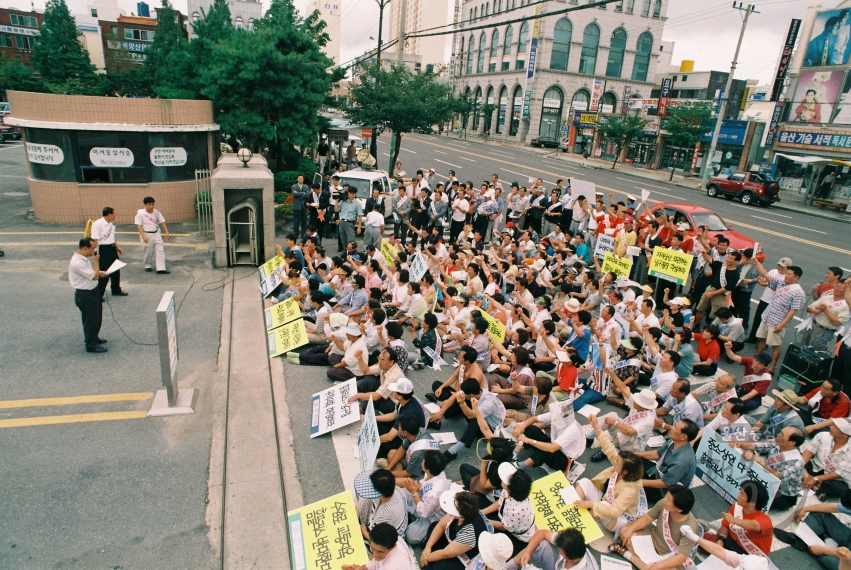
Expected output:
{"points": [[103, 232], [81, 273], [149, 222]]}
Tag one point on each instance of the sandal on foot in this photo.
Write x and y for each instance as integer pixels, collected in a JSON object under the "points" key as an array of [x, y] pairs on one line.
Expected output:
{"points": [[617, 548]]}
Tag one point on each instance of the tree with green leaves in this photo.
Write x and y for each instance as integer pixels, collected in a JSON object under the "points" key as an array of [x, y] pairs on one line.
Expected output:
{"points": [[400, 100], [621, 131], [59, 56], [167, 63], [487, 115], [16, 76], [686, 124]]}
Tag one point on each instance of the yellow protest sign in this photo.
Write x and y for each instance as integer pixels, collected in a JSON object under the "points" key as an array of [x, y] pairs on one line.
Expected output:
{"points": [[388, 251], [287, 337], [270, 266], [670, 264], [553, 513], [282, 313], [326, 534], [496, 328], [621, 267]]}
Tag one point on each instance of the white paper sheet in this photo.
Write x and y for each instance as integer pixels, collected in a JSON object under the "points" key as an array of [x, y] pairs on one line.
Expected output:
{"points": [[445, 438], [609, 563], [116, 265], [588, 410], [806, 534], [569, 495], [644, 195], [713, 563], [432, 407], [656, 441], [642, 546]]}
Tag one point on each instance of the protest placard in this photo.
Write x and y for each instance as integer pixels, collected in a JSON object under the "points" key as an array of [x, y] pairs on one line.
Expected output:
{"points": [[326, 534], [282, 313], [388, 251], [723, 468], [582, 188], [670, 265], [331, 409], [267, 268], [418, 267], [368, 443], [605, 244], [287, 337], [620, 266], [553, 513], [496, 328]]}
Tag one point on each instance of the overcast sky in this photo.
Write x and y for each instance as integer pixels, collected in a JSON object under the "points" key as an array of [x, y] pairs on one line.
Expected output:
{"points": [[707, 35]]}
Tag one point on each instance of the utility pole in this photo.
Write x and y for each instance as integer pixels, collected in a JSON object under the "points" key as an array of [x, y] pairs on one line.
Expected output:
{"points": [[400, 60], [707, 158], [373, 144]]}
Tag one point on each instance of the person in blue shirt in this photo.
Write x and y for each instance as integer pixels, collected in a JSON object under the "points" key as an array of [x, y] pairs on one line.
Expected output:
{"points": [[580, 335], [582, 250], [356, 301], [291, 246]]}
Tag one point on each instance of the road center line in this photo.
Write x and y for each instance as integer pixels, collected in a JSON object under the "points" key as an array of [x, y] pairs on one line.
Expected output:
{"points": [[468, 159], [790, 225], [73, 419], [70, 400]]}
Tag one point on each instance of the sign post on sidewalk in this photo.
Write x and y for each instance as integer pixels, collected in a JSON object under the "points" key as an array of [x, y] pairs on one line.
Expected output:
{"points": [[171, 400]]}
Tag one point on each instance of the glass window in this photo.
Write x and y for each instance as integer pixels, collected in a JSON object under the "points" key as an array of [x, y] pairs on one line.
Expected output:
{"points": [[580, 100], [494, 43], [251, 25], [238, 23], [506, 47], [551, 113], [143, 35], [113, 30], [645, 8], [94, 13], [523, 38], [630, 6], [470, 52], [501, 107], [619, 6], [617, 48], [134, 142], [480, 64], [6, 41], [477, 104], [28, 21], [561, 44], [45, 147], [194, 145], [609, 99], [196, 16], [642, 56], [487, 8], [657, 8], [590, 42], [25, 42], [516, 111]]}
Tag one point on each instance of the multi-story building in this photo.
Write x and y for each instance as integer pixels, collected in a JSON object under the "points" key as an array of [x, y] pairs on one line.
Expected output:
{"points": [[331, 11], [18, 33], [705, 86], [89, 27], [423, 15], [126, 40], [242, 12], [584, 62]]}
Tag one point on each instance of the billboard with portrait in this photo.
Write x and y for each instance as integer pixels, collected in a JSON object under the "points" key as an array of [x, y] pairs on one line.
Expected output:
{"points": [[830, 42], [815, 95]]}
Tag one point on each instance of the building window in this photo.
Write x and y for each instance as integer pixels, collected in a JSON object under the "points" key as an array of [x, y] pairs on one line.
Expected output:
{"points": [[488, 119], [26, 21], [494, 51], [196, 16], [580, 100], [506, 48], [460, 61], [516, 111], [657, 8], [617, 48], [520, 63], [6, 41], [610, 102], [630, 6], [25, 42], [238, 23], [487, 9], [58, 170], [501, 108], [619, 6], [94, 13], [470, 51], [497, 7], [143, 35], [561, 44], [551, 113], [113, 30], [251, 25], [590, 43], [645, 8], [477, 103], [480, 65], [642, 56]]}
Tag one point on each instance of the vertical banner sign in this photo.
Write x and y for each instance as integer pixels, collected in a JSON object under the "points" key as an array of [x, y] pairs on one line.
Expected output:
{"points": [[773, 124], [596, 94], [418, 267], [368, 443], [326, 534], [785, 58], [530, 66], [330, 408], [664, 95], [627, 91]]}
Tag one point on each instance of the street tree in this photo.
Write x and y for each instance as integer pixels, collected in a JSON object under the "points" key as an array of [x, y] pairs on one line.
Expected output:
{"points": [[487, 115], [59, 56], [621, 131], [16, 76], [686, 124], [400, 100], [167, 62]]}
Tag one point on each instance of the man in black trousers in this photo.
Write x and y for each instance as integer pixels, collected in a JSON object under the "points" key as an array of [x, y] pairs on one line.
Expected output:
{"points": [[103, 232], [83, 277]]}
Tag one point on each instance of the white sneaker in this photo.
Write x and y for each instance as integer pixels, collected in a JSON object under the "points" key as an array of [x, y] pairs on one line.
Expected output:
{"points": [[576, 471]]}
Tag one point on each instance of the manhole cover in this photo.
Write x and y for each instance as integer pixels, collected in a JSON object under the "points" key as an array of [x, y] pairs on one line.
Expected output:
{"points": [[16, 193]]}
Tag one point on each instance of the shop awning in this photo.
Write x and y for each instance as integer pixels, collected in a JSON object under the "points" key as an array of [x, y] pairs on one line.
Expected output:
{"points": [[813, 159]]}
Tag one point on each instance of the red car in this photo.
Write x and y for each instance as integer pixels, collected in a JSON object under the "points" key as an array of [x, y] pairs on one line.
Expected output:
{"points": [[696, 216]]}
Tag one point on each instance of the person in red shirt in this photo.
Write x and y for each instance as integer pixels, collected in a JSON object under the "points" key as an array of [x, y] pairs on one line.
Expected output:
{"points": [[823, 403], [709, 351], [834, 275], [745, 528], [757, 378]]}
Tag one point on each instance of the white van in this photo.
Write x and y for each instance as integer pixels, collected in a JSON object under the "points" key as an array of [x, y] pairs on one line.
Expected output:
{"points": [[364, 181]]}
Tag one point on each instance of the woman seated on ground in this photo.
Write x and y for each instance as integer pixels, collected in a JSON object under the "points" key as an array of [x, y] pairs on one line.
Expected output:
{"points": [[453, 540], [708, 352], [484, 481], [514, 389], [514, 508]]}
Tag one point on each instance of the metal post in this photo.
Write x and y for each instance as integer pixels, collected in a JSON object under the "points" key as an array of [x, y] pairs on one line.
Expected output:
{"points": [[171, 400], [711, 153], [400, 45], [373, 145]]}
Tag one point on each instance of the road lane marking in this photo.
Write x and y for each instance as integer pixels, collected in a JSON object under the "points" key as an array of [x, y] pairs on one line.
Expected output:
{"points": [[74, 243], [790, 225], [440, 152], [778, 215], [71, 400], [75, 234], [411, 151], [385, 154], [73, 419], [512, 172], [449, 163], [801, 240], [468, 159]]}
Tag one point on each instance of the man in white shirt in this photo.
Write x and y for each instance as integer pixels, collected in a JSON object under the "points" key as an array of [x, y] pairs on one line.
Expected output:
{"points": [[730, 424], [148, 222], [767, 296], [83, 277], [347, 367], [460, 209], [103, 231]]}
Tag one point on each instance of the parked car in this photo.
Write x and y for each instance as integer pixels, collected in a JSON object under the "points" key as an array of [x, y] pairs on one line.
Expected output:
{"points": [[6, 133], [545, 142], [749, 187], [696, 216]]}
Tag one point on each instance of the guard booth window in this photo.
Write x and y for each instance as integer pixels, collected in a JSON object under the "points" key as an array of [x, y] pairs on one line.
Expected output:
{"points": [[97, 172]]}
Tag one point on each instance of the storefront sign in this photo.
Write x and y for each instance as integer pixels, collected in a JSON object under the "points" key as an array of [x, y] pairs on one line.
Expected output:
{"points": [[326, 534], [785, 58], [331, 408], [607, 108], [19, 31], [44, 154], [651, 127], [527, 102], [627, 91], [338, 135], [137, 47], [587, 119], [664, 94], [111, 157], [772, 125], [814, 139], [732, 132], [168, 156], [596, 93]]}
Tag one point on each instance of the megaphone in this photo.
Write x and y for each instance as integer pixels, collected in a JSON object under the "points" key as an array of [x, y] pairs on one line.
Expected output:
{"points": [[365, 158]]}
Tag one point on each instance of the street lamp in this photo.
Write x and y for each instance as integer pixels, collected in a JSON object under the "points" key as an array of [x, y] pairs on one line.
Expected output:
{"points": [[373, 143], [244, 155]]}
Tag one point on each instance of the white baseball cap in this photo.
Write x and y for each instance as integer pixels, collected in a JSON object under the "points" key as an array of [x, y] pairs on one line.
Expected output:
{"points": [[447, 503], [506, 470], [401, 386], [842, 425]]}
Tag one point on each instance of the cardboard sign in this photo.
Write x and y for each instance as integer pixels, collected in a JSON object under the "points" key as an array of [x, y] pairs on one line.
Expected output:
{"points": [[282, 313], [388, 251], [326, 534], [496, 328], [621, 267], [331, 410], [266, 269], [605, 244], [368, 443], [582, 188], [418, 267], [723, 468], [670, 265], [286, 338], [553, 513]]}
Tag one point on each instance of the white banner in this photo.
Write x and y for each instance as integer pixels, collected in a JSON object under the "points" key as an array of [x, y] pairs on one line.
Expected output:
{"points": [[605, 244], [44, 154], [168, 156], [331, 409], [111, 157], [418, 267], [368, 442]]}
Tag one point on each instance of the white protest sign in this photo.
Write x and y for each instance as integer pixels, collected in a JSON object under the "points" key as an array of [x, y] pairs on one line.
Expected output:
{"points": [[331, 409], [368, 443], [644, 194], [605, 244], [168, 156], [418, 267], [582, 188]]}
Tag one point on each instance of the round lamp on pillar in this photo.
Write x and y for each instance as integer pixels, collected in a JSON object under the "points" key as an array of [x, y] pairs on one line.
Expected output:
{"points": [[244, 154]]}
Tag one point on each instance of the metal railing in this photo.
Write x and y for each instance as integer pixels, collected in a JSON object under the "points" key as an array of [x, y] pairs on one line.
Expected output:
{"points": [[204, 202]]}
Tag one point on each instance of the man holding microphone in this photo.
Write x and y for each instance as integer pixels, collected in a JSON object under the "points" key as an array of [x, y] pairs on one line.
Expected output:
{"points": [[83, 277]]}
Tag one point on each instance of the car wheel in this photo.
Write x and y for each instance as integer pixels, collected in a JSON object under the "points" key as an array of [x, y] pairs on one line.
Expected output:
{"points": [[747, 198], [712, 191]]}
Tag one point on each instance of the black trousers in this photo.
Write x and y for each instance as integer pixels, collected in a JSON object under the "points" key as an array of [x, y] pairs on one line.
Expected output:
{"points": [[455, 230], [783, 503], [452, 411], [832, 489], [842, 367], [91, 309], [108, 254], [534, 223], [757, 319], [742, 306], [556, 460]]}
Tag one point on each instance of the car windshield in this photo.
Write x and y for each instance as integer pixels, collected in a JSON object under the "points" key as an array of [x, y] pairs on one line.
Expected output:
{"points": [[363, 186], [711, 220]]}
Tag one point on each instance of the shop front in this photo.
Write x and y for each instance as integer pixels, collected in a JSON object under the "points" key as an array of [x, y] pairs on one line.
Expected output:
{"points": [[643, 149], [584, 125], [551, 113]]}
